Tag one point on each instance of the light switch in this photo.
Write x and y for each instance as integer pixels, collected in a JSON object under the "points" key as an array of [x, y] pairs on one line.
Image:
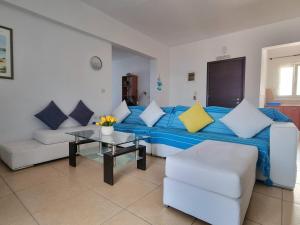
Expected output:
{"points": [[195, 95]]}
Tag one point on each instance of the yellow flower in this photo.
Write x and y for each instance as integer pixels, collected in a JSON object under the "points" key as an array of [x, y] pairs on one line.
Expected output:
{"points": [[103, 119], [97, 124]]}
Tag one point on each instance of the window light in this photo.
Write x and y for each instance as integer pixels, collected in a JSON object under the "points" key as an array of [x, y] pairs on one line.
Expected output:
{"points": [[286, 81]]}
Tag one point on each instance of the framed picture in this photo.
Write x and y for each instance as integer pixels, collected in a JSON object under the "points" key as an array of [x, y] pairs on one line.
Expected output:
{"points": [[6, 53], [191, 76]]}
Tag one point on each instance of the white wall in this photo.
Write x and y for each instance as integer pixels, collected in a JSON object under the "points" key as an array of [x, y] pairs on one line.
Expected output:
{"points": [[77, 14], [137, 65], [193, 57], [53, 41], [51, 63]]}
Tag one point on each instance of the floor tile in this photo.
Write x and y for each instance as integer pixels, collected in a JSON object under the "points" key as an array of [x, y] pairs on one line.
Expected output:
{"points": [[49, 194], [126, 218], [199, 222], [31, 177], [13, 213], [248, 222], [88, 208], [156, 160], [151, 208], [264, 210], [269, 191], [63, 164], [4, 170], [125, 190], [4, 189], [85, 171], [291, 214], [292, 196], [154, 173]]}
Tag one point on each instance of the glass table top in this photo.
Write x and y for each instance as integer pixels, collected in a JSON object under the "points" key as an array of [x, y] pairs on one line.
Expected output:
{"points": [[116, 138]]}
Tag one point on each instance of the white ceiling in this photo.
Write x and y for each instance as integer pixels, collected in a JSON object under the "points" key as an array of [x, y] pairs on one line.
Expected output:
{"points": [[181, 21]]}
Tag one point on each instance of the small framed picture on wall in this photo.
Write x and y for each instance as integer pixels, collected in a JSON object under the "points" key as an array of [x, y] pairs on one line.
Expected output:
{"points": [[6, 53], [191, 76]]}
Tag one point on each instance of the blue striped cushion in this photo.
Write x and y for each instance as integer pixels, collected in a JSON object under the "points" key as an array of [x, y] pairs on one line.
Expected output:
{"points": [[217, 126], [132, 128], [134, 116], [165, 119], [275, 115], [174, 120], [183, 139]]}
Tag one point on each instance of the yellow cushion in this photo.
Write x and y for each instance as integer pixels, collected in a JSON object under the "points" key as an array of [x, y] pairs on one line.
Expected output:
{"points": [[195, 118]]}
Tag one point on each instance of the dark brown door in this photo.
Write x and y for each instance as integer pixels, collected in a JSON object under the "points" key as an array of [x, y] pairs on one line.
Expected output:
{"points": [[226, 82]]}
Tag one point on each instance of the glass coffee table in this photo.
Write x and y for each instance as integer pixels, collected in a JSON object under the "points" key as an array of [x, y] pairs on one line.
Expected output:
{"points": [[115, 148]]}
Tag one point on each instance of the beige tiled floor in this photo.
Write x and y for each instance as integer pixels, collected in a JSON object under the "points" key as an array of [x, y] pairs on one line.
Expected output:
{"points": [[56, 194]]}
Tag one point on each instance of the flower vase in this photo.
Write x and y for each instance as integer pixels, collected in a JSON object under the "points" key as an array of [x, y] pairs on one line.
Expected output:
{"points": [[107, 130]]}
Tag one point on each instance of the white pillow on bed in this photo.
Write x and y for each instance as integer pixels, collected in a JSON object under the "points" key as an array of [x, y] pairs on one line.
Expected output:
{"points": [[121, 112], [245, 120]]}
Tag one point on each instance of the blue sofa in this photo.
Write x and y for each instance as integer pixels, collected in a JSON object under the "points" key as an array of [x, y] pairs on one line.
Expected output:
{"points": [[170, 131]]}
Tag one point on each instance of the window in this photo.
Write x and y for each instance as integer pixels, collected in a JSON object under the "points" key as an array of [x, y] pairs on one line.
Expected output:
{"points": [[286, 76], [298, 80], [289, 81]]}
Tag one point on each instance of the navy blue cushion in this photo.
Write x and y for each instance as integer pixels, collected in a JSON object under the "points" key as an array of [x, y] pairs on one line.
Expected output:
{"points": [[82, 114], [52, 116]]}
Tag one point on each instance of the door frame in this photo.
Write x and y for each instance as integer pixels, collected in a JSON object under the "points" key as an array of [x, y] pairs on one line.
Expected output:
{"points": [[243, 59]]}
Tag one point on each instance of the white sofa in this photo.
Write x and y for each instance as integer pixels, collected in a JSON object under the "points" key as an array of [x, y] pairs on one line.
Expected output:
{"points": [[212, 181], [46, 145], [53, 144]]}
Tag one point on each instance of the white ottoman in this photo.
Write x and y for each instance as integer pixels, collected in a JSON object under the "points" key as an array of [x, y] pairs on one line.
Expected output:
{"points": [[21, 154], [212, 181]]}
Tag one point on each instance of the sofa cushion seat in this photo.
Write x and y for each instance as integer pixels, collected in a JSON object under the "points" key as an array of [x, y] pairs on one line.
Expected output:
{"points": [[21, 154], [49, 137], [182, 139], [132, 128], [219, 167]]}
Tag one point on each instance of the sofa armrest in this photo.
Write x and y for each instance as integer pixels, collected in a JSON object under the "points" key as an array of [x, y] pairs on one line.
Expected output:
{"points": [[283, 154]]}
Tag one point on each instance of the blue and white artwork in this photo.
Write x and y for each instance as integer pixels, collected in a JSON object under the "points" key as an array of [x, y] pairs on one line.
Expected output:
{"points": [[6, 53], [158, 84]]}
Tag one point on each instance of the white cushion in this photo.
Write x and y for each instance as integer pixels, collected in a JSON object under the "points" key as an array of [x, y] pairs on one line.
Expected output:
{"points": [[245, 120], [151, 114], [25, 153], [219, 167], [121, 112], [48, 137], [29, 152]]}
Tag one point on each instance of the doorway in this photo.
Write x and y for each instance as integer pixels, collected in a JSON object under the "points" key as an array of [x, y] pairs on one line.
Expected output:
{"points": [[131, 73], [280, 80]]}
